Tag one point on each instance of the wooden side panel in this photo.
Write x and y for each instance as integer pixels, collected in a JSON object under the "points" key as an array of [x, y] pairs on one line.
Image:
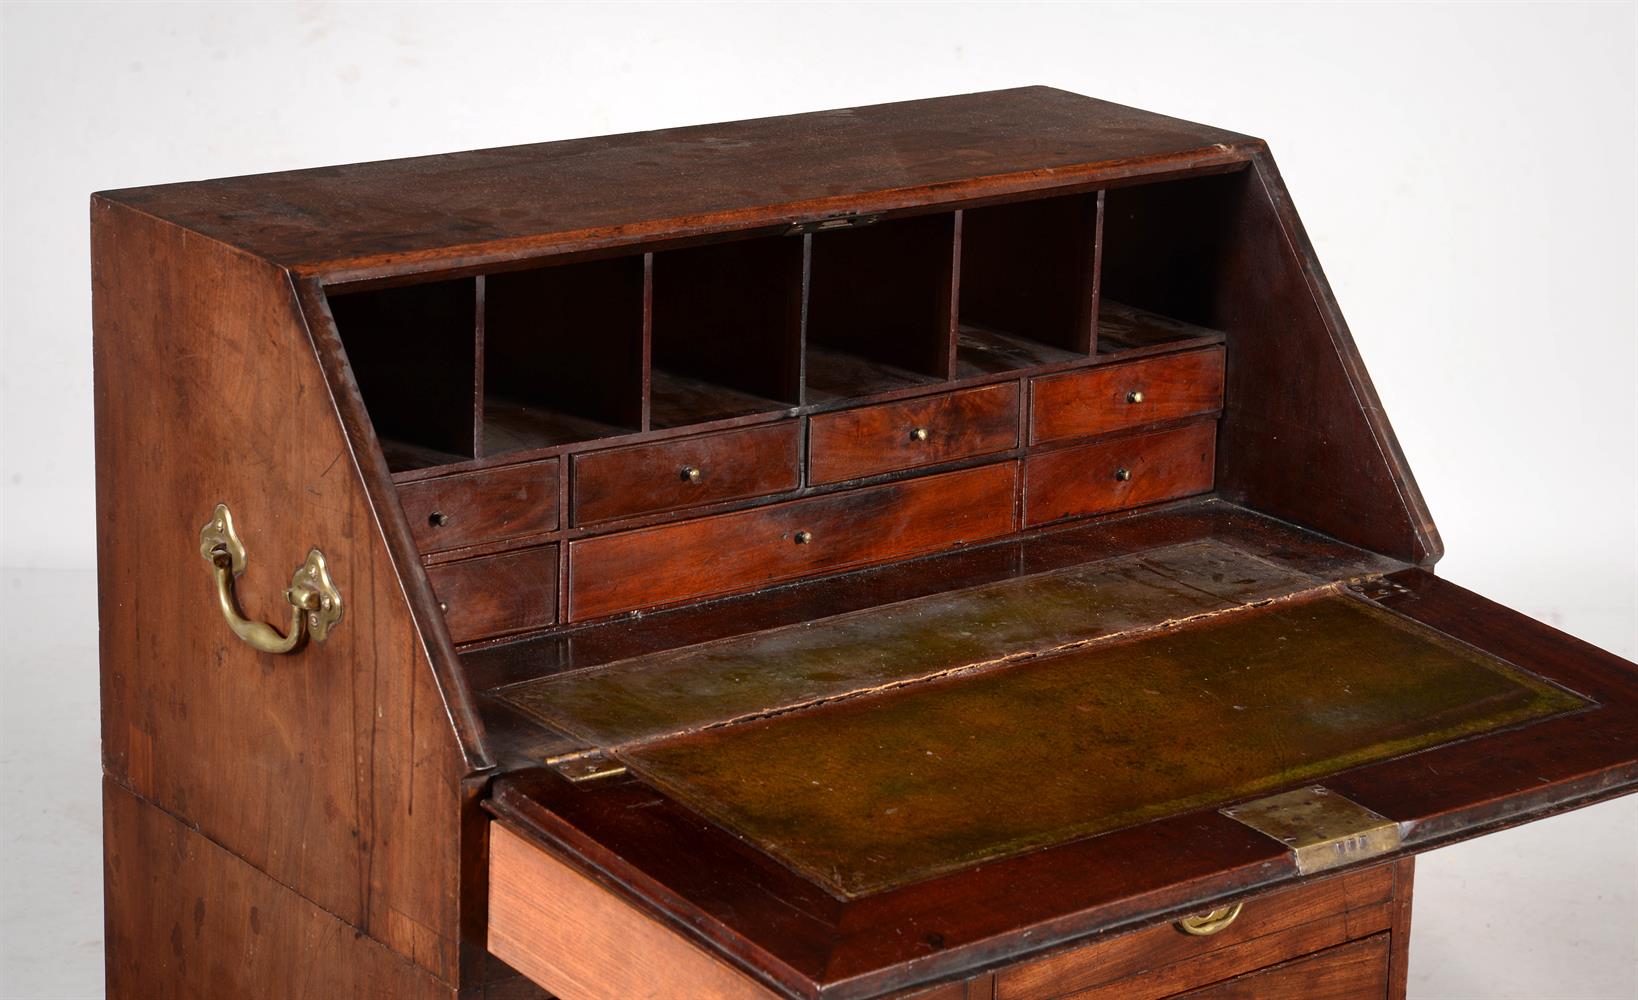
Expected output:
{"points": [[189, 921], [577, 939], [334, 770], [1304, 437], [1399, 956]]}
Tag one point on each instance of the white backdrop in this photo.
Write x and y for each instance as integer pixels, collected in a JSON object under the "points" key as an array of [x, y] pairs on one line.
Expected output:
{"points": [[1466, 173]]}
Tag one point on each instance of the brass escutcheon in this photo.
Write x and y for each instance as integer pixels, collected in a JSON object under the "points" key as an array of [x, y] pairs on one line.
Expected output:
{"points": [[1207, 924], [315, 603]]}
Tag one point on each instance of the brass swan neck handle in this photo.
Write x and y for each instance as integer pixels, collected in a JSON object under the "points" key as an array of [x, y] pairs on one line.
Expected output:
{"points": [[315, 603]]}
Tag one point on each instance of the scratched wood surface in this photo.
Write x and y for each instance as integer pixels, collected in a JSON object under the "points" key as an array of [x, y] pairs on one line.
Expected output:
{"points": [[335, 771], [645, 697], [671, 181]]}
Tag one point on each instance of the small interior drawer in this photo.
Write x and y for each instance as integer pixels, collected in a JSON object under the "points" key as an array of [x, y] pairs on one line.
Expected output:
{"points": [[728, 553], [916, 432], [499, 594], [686, 472], [485, 506], [1118, 473], [1163, 960], [1117, 397]]}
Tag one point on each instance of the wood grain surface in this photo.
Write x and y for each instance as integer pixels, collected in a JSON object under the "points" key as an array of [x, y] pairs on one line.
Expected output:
{"points": [[578, 939], [870, 440], [700, 179], [734, 552], [645, 479], [1115, 473], [330, 770]]}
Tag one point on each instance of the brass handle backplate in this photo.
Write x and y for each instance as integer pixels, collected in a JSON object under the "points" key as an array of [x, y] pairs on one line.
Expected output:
{"points": [[315, 603], [1207, 924]]}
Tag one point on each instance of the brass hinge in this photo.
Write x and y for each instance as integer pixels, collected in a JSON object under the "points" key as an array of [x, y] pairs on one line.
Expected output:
{"points": [[585, 765], [1324, 830], [846, 220]]}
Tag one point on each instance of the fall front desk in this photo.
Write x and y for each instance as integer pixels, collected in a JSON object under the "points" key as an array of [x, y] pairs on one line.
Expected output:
{"points": [[942, 549]]}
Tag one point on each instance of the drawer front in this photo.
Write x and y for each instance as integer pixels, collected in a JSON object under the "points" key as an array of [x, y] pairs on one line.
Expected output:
{"points": [[486, 506], [734, 552], [1100, 400], [575, 938], [498, 595], [687, 472], [876, 439], [1357, 971], [1119, 473], [1161, 961]]}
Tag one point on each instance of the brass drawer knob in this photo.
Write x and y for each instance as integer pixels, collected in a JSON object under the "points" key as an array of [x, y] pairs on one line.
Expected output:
{"points": [[803, 537], [690, 474], [438, 519], [919, 434], [1207, 924], [315, 603], [1123, 475], [1135, 396]]}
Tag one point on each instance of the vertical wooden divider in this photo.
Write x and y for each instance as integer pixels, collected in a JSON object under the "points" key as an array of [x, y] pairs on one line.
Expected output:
{"points": [[477, 367], [802, 361], [952, 318], [645, 382], [802, 328], [1095, 296]]}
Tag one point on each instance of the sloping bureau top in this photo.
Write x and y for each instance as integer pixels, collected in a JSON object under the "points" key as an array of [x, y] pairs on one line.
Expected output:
{"points": [[472, 208]]}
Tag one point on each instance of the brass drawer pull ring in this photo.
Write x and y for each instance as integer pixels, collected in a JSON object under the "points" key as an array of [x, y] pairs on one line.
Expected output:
{"points": [[1207, 924], [315, 603]]}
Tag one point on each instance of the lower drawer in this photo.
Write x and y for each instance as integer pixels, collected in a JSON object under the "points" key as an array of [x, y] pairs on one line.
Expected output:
{"points": [[1162, 961], [576, 938], [729, 553], [1356, 971], [498, 595], [1119, 473], [1329, 939]]}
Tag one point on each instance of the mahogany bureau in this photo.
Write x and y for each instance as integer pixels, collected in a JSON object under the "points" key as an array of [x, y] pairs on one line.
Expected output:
{"points": [[945, 549]]}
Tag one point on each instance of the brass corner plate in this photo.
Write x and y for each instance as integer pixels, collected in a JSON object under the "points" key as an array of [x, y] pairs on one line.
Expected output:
{"points": [[585, 765], [1324, 830]]}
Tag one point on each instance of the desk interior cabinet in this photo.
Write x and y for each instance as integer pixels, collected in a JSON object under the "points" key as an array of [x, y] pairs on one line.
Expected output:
{"points": [[943, 549]]}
